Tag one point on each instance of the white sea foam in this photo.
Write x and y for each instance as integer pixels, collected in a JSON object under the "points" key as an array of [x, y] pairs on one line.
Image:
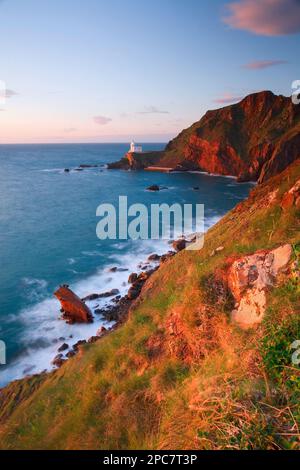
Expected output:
{"points": [[34, 289]]}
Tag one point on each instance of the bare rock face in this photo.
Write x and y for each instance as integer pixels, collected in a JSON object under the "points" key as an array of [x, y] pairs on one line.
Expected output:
{"points": [[250, 277], [291, 197], [73, 308]]}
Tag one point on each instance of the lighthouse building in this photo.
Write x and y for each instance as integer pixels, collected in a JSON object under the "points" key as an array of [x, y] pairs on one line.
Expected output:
{"points": [[134, 148]]}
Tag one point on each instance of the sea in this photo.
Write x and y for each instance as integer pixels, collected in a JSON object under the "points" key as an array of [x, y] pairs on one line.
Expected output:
{"points": [[48, 237]]}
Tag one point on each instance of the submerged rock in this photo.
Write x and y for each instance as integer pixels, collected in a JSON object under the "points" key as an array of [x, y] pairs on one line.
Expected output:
{"points": [[115, 269], [75, 310], [84, 165], [153, 187]]}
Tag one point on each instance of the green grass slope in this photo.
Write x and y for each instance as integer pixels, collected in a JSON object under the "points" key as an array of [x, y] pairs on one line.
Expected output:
{"points": [[178, 373]]}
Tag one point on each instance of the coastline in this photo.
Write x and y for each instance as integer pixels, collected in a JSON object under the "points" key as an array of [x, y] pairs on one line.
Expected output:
{"points": [[114, 311]]}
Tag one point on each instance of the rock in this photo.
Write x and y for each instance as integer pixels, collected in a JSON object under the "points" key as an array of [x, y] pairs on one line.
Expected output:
{"points": [[153, 187], [154, 257], [110, 293], [78, 344], [114, 292], [291, 197], [101, 331], [143, 276], [133, 292], [165, 257], [75, 310], [179, 245], [98, 311], [84, 165], [93, 339], [63, 347], [250, 277], [132, 278], [114, 269], [90, 297], [58, 360], [71, 353]]}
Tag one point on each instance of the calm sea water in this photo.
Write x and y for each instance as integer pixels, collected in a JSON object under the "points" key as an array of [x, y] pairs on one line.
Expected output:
{"points": [[48, 237]]}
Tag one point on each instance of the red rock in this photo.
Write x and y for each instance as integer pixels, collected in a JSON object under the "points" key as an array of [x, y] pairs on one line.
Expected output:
{"points": [[179, 245], [75, 310], [287, 201]]}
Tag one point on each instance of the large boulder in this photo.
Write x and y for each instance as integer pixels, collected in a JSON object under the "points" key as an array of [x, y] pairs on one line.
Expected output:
{"points": [[74, 309], [249, 279]]}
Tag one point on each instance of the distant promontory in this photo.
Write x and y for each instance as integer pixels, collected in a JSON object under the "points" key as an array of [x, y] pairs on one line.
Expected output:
{"points": [[252, 140]]}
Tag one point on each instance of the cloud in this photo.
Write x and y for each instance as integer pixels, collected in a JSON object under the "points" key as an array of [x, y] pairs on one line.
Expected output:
{"points": [[68, 130], [228, 98], [264, 17], [152, 110], [263, 64], [102, 120]]}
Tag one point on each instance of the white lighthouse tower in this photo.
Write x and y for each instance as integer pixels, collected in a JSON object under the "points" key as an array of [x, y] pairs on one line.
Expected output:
{"points": [[134, 148]]}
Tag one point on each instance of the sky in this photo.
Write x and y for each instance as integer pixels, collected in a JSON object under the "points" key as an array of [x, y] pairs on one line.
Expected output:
{"points": [[117, 70]]}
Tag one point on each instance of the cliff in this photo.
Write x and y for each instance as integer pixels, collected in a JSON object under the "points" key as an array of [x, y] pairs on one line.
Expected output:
{"points": [[253, 140], [204, 360]]}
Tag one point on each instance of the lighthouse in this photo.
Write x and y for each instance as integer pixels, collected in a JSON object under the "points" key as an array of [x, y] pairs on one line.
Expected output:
{"points": [[134, 148]]}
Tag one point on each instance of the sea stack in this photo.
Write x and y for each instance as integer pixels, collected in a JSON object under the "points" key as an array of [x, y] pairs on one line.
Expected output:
{"points": [[73, 308]]}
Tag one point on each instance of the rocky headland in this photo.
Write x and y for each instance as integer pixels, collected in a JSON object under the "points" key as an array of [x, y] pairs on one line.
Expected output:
{"points": [[253, 140]]}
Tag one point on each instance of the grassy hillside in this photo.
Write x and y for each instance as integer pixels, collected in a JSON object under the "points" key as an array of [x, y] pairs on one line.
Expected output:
{"points": [[179, 373]]}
